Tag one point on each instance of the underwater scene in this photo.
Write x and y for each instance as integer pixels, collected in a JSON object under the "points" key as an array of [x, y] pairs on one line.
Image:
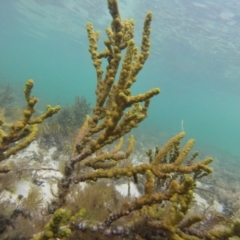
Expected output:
{"points": [[119, 119]]}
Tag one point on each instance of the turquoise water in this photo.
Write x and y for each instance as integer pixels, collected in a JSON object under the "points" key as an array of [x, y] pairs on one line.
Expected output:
{"points": [[195, 59]]}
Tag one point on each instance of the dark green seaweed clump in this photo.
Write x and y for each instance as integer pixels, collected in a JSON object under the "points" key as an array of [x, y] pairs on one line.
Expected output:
{"points": [[62, 126], [6, 97]]}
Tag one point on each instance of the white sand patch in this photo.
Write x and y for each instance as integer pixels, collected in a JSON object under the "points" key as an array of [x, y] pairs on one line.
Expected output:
{"points": [[7, 196], [202, 185], [82, 185], [123, 190], [28, 151], [22, 188], [33, 147], [45, 174], [216, 206], [198, 184], [47, 190], [200, 201]]}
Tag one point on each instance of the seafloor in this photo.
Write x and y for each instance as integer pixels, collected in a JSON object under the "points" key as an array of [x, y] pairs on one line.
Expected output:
{"points": [[39, 166]]}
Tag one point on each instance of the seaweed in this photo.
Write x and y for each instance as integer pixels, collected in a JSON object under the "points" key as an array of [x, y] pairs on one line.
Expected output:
{"points": [[6, 97], [61, 128]]}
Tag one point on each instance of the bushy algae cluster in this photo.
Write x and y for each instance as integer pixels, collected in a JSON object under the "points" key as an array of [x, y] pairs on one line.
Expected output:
{"points": [[163, 211], [61, 128]]}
